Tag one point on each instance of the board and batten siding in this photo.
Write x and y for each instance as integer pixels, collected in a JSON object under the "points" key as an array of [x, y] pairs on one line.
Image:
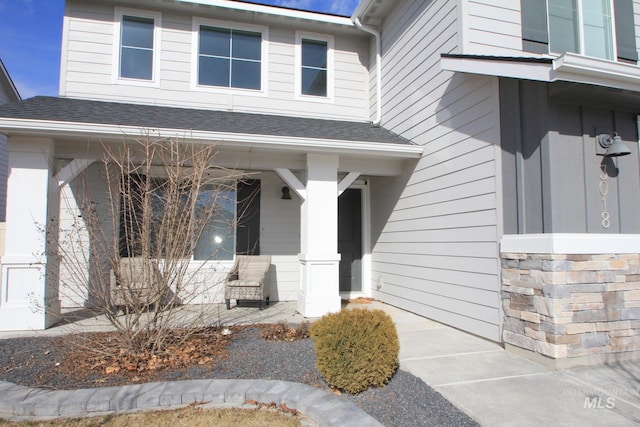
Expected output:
{"points": [[435, 230], [88, 58]]}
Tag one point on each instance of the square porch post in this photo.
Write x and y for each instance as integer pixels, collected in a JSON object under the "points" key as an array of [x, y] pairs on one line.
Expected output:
{"points": [[319, 259], [29, 289]]}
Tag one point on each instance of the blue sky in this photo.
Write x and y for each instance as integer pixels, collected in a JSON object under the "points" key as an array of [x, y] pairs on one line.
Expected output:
{"points": [[31, 34]]}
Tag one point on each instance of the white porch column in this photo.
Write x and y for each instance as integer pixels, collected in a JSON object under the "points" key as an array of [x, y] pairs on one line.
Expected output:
{"points": [[29, 290], [319, 258]]}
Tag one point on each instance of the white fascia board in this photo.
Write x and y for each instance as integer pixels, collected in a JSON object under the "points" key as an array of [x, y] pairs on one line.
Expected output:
{"points": [[582, 69], [288, 143], [571, 243], [268, 10], [568, 67], [498, 68]]}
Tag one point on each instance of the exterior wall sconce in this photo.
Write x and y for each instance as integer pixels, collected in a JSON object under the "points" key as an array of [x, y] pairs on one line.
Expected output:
{"points": [[612, 144], [286, 193]]}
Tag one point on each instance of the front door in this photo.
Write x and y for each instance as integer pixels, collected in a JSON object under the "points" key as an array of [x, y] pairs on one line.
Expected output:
{"points": [[350, 239]]}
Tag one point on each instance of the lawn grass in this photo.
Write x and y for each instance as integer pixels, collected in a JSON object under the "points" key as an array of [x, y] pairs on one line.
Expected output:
{"points": [[185, 417]]}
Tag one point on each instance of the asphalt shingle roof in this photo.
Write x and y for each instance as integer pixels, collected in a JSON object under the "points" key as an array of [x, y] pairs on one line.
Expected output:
{"points": [[153, 117]]}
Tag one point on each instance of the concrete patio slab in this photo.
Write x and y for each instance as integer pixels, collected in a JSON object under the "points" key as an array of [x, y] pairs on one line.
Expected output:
{"points": [[499, 388], [474, 366], [533, 401], [436, 342]]}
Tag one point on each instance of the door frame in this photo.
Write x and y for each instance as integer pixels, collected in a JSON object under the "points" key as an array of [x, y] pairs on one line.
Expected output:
{"points": [[365, 222]]}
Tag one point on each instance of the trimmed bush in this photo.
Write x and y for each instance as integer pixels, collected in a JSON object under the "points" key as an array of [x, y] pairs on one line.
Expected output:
{"points": [[356, 349]]}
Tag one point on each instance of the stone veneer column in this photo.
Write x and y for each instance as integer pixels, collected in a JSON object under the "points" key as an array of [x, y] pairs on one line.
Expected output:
{"points": [[572, 309]]}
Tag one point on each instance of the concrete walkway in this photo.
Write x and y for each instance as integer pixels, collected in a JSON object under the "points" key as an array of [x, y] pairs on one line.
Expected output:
{"points": [[498, 388]]}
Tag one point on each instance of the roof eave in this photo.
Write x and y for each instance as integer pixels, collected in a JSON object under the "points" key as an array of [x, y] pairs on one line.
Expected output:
{"points": [[4, 75], [567, 67], [222, 139], [276, 11]]}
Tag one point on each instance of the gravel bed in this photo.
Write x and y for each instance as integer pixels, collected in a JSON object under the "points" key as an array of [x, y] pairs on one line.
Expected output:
{"points": [[406, 401]]}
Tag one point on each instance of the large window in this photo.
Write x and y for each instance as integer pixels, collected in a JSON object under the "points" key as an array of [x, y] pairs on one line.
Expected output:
{"points": [[231, 219], [136, 48], [582, 26], [229, 58], [152, 212], [314, 67]]}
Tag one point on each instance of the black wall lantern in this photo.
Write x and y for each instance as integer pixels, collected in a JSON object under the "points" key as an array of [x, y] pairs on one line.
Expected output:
{"points": [[286, 193]]}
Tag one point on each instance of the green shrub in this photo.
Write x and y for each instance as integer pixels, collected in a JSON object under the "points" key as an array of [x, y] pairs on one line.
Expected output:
{"points": [[356, 349]]}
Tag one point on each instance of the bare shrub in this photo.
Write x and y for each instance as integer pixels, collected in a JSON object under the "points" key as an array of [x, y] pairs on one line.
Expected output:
{"points": [[167, 204]]}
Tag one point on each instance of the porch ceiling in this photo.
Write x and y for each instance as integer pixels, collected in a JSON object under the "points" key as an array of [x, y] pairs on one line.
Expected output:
{"points": [[69, 117]]}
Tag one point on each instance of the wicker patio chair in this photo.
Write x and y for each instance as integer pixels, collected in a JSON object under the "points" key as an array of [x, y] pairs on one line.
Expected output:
{"points": [[135, 284], [246, 281]]}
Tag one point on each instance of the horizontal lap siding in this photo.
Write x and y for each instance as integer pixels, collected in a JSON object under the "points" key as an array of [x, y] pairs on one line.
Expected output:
{"points": [[492, 27], [90, 57], [436, 252], [279, 238], [4, 162]]}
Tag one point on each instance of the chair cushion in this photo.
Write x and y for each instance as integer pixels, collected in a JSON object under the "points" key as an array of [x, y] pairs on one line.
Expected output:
{"points": [[243, 283]]}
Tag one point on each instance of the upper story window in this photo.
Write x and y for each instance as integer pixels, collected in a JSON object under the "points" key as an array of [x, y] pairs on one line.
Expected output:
{"points": [[314, 67], [136, 46], [582, 26], [596, 28], [229, 58]]}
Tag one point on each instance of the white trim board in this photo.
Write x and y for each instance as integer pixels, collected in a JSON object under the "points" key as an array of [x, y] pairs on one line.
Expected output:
{"points": [[571, 243], [567, 67], [290, 143]]}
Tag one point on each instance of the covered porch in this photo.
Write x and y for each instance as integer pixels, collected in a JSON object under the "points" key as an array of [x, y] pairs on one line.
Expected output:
{"points": [[57, 144]]}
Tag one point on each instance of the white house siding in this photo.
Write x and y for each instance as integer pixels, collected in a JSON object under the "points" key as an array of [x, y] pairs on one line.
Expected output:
{"points": [[491, 27], [435, 232], [280, 238], [75, 245], [88, 68], [4, 161]]}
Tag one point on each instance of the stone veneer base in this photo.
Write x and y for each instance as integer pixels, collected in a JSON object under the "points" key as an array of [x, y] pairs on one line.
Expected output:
{"points": [[571, 309]]}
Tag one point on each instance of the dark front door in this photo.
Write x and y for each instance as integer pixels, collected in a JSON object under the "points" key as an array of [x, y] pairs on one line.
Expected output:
{"points": [[350, 239]]}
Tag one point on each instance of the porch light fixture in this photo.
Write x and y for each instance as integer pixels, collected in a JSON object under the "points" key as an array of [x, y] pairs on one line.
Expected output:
{"points": [[286, 193], [613, 145]]}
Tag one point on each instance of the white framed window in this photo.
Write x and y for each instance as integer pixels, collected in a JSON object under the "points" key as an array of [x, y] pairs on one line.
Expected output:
{"points": [[136, 46], [145, 207], [314, 66], [229, 58], [585, 27]]}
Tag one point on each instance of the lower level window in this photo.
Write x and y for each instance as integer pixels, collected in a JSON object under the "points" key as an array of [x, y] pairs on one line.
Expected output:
{"points": [[151, 214]]}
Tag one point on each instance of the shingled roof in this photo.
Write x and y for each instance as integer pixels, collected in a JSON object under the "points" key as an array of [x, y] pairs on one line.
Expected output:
{"points": [[54, 109]]}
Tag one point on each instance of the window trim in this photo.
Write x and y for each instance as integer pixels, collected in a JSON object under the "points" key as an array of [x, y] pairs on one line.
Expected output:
{"points": [[580, 23], [196, 23], [329, 40], [120, 12]]}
